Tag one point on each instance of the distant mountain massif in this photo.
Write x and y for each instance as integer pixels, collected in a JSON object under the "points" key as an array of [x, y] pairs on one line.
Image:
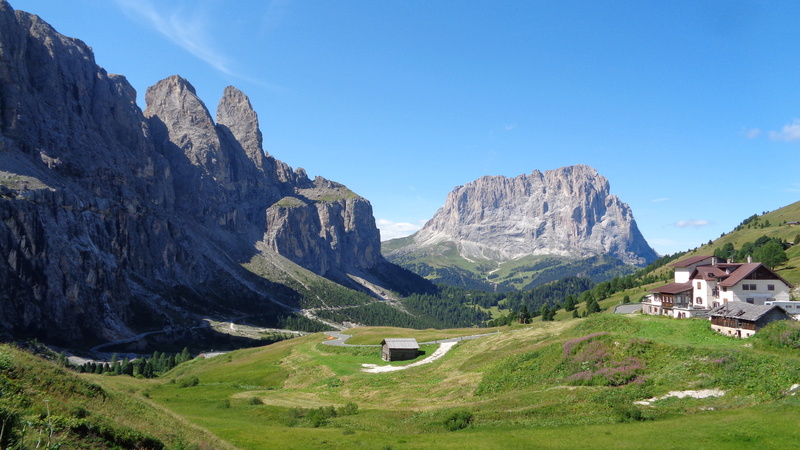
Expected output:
{"points": [[499, 232], [115, 221]]}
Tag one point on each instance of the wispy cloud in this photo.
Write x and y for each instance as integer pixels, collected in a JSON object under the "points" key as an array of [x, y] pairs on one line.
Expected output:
{"points": [[393, 230], [692, 223], [659, 200], [790, 132], [186, 25], [751, 133], [274, 15], [509, 126]]}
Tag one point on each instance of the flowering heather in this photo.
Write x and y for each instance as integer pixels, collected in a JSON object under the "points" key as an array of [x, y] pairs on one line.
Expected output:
{"points": [[570, 345], [594, 363]]}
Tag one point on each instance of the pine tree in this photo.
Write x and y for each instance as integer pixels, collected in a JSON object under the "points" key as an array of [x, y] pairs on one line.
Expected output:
{"points": [[544, 311], [524, 315]]}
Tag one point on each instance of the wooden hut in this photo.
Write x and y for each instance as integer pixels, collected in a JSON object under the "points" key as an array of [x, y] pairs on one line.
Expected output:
{"points": [[742, 319], [399, 349]]}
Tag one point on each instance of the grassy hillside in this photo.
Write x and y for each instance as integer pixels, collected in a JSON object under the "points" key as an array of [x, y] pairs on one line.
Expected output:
{"points": [[557, 384], [45, 406]]}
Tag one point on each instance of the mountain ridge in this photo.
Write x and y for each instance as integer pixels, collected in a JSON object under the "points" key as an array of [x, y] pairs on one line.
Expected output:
{"points": [[115, 220]]}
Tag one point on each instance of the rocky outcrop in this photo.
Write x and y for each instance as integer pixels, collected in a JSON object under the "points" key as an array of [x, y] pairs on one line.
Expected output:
{"points": [[564, 212], [324, 228], [115, 221]]}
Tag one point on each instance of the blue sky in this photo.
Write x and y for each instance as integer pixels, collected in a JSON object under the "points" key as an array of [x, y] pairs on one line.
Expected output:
{"points": [[690, 109]]}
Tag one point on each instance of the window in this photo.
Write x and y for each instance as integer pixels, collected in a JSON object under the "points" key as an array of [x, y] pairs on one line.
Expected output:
{"points": [[698, 285], [751, 300], [745, 287], [752, 287], [770, 287]]}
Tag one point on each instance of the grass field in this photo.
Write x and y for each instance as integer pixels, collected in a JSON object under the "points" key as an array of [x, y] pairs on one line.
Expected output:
{"points": [[524, 387]]}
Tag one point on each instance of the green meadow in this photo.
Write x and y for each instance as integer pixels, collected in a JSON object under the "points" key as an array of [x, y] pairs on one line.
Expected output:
{"points": [[562, 384]]}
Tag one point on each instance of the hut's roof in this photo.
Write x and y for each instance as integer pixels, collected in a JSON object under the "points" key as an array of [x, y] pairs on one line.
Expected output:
{"points": [[742, 310], [401, 343]]}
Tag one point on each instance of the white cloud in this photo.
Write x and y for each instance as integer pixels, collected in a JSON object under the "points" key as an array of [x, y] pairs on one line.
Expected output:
{"points": [[752, 133], [510, 126], [790, 132], [692, 223], [393, 230], [659, 200], [187, 27]]}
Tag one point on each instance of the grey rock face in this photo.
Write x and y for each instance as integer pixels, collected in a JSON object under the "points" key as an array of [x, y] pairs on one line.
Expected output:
{"points": [[564, 212], [324, 227], [114, 221]]}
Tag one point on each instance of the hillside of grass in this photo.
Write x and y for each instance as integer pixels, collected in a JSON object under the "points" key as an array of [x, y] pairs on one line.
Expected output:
{"points": [[555, 384], [43, 405]]}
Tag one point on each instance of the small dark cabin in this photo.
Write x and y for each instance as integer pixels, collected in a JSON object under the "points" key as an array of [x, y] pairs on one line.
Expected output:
{"points": [[399, 349], [742, 319]]}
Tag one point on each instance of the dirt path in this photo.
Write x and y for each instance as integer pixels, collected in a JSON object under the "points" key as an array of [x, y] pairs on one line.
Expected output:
{"points": [[441, 351]]}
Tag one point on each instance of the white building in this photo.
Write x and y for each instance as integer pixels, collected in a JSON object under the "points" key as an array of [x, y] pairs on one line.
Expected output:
{"points": [[702, 283]]}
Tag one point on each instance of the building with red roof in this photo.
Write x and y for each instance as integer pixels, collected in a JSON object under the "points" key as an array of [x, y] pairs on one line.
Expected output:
{"points": [[703, 283]]}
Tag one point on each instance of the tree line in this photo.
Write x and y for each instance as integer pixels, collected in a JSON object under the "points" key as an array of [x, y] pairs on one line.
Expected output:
{"points": [[154, 366]]}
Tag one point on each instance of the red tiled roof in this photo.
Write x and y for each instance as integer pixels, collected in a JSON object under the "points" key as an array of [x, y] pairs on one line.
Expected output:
{"points": [[746, 269], [709, 273], [672, 288], [690, 261]]}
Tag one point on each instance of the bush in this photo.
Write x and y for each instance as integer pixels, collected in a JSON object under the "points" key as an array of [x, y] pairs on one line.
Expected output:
{"points": [[629, 413], [254, 401], [458, 420], [348, 410], [11, 424], [188, 381]]}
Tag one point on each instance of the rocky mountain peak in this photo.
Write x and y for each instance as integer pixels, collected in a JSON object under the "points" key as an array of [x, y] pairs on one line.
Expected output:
{"points": [[181, 122], [565, 212], [235, 113]]}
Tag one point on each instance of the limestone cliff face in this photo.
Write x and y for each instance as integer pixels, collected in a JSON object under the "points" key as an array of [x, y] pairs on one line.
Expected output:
{"points": [[115, 221], [329, 217], [564, 212]]}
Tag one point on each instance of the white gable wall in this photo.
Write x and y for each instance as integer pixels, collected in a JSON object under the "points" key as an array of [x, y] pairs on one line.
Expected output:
{"points": [[702, 292], [761, 294]]}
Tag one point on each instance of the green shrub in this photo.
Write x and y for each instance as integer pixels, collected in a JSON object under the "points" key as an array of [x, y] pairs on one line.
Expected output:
{"points": [[458, 420], [10, 424], [254, 401], [629, 413], [188, 381], [79, 412], [348, 410]]}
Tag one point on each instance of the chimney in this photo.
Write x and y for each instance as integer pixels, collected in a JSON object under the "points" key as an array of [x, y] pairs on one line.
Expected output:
{"points": [[749, 259], [730, 261], [713, 260]]}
